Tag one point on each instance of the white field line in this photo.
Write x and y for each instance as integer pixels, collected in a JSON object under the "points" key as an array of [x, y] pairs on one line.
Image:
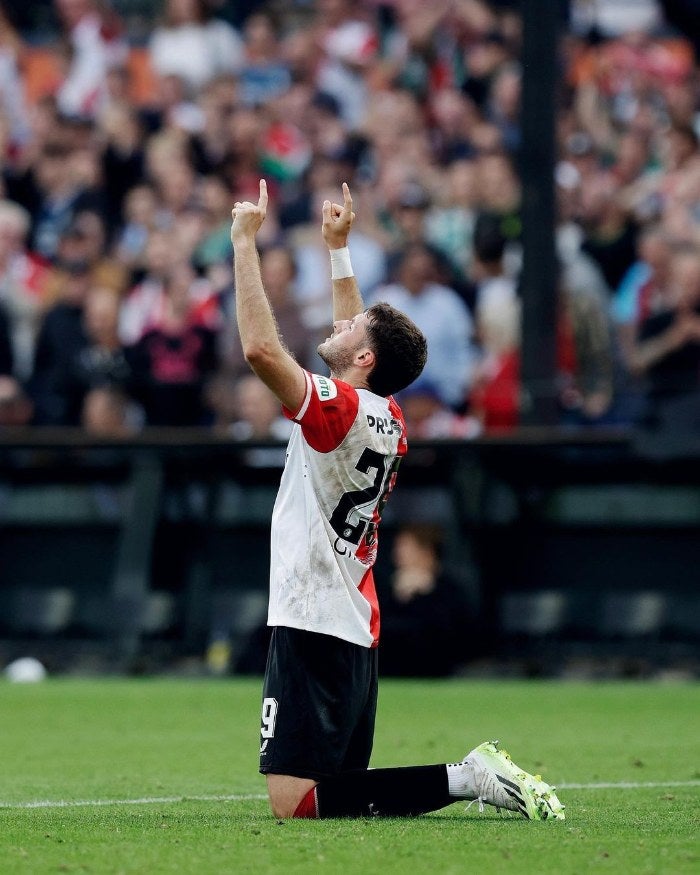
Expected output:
{"points": [[241, 797]]}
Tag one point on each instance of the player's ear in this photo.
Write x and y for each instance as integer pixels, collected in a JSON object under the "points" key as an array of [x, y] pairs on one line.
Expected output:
{"points": [[365, 357]]}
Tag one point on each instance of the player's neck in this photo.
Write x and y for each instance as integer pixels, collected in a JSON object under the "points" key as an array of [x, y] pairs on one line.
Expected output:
{"points": [[352, 378]]}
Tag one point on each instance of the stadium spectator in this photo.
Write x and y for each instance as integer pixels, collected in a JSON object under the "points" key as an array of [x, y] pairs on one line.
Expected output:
{"points": [[667, 351], [14, 119], [94, 359], [427, 417], [60, 339], [84, 241], [108, 413], [424, 602], [172, 361], [145, 301], [60, 196], [347, 45], [15, 406], [140, 218], [101, 363], [122, 158], [94, 44], [23, 286], [193, 45], [210, 142], [264, 75], [495, 288], [642, 291], [449, 224], [442, 316], [214, 245]]}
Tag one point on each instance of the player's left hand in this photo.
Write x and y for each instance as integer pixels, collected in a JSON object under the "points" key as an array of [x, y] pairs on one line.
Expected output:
{"points": [[337, 221], [248, 217]]}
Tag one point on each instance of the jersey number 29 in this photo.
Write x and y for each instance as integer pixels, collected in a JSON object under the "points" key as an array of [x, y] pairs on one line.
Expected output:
{"points": [[346, 522]]}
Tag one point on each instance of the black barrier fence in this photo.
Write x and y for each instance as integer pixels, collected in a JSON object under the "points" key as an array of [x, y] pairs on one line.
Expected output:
{"points": [[565, 542]]}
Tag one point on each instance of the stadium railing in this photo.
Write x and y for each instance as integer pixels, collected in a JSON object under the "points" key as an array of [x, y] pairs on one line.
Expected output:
{"points": [[560, 536]]}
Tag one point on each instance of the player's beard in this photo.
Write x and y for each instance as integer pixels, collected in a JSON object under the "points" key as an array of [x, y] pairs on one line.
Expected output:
{"points": [[338, 360]]}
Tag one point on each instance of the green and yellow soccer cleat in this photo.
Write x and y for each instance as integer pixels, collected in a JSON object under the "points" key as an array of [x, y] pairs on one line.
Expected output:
{"points": [[501, 783]]}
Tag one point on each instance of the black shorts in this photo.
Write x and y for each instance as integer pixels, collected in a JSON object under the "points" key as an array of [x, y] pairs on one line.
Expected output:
{"points": [[319, 705]]}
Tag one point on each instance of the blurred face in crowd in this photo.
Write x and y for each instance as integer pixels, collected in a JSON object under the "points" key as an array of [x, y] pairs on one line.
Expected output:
{"points": [[184, 11], [416, 563], [53, 172], [655, 250], [178, 284], [632, 157], [499, 188], [91, 230], [260, 37], [453, 112], [462, 182], [418, 407], [277, 269], [105, 413], [417, 269], [410, 218], [505, 94], [13, 230], [140, 205], [86, 168], [158, 253], [76, 285], [188, 230], [333, 11], [410, 552], [685, 278], [101, 316], [215, 199], [176, 187], [15, 407], [678, 146], [71, 11], [256, 405]]}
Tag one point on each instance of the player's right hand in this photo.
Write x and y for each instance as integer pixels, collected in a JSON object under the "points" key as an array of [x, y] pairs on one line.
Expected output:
{"points": [[337, 221], [247, 217]]}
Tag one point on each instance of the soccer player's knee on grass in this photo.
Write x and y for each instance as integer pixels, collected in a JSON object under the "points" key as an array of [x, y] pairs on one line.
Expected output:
{"points": [[285, 792]]}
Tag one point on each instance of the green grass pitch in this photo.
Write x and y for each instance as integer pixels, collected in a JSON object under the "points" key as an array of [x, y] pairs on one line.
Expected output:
{"points": [[154, 776]]}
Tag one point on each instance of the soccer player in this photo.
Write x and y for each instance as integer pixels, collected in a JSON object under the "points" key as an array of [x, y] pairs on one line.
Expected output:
{"points": [[320, 689]]}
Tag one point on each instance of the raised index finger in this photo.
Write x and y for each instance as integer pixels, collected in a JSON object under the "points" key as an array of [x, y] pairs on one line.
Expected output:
{"points": [[347, 199], [262, 201]]}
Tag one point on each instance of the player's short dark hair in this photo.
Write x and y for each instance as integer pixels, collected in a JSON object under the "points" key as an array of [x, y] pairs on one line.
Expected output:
{"points": [[399, 347]]}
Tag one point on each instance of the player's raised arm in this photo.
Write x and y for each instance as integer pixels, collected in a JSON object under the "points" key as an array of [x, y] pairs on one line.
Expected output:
{"points": [[260, 339], [337, 221]]}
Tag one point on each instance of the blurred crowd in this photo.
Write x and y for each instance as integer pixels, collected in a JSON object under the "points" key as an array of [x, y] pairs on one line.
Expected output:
{"points": [[117, 306]]}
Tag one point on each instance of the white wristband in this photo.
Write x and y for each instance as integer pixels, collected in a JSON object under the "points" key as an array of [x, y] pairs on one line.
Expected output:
{"points": [[340, 263]]}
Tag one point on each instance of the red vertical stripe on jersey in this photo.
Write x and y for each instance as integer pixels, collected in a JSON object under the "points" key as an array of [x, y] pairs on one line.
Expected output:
{"points": [[397, 414], [369, 593]]}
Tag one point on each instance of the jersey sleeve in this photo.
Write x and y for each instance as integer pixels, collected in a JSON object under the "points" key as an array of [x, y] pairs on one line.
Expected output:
{"points": [[327, 412]]}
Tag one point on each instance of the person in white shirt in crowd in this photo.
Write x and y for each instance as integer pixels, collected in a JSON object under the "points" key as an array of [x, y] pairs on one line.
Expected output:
{"points": [[95, 46], [193, 45], [442, 316]]}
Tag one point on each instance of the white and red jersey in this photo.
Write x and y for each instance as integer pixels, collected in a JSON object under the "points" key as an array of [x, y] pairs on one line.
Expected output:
{"points": [[341, 466]]}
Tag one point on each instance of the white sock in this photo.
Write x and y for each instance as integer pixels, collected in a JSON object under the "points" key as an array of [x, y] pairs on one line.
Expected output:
{"points": [[460, 781]]}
